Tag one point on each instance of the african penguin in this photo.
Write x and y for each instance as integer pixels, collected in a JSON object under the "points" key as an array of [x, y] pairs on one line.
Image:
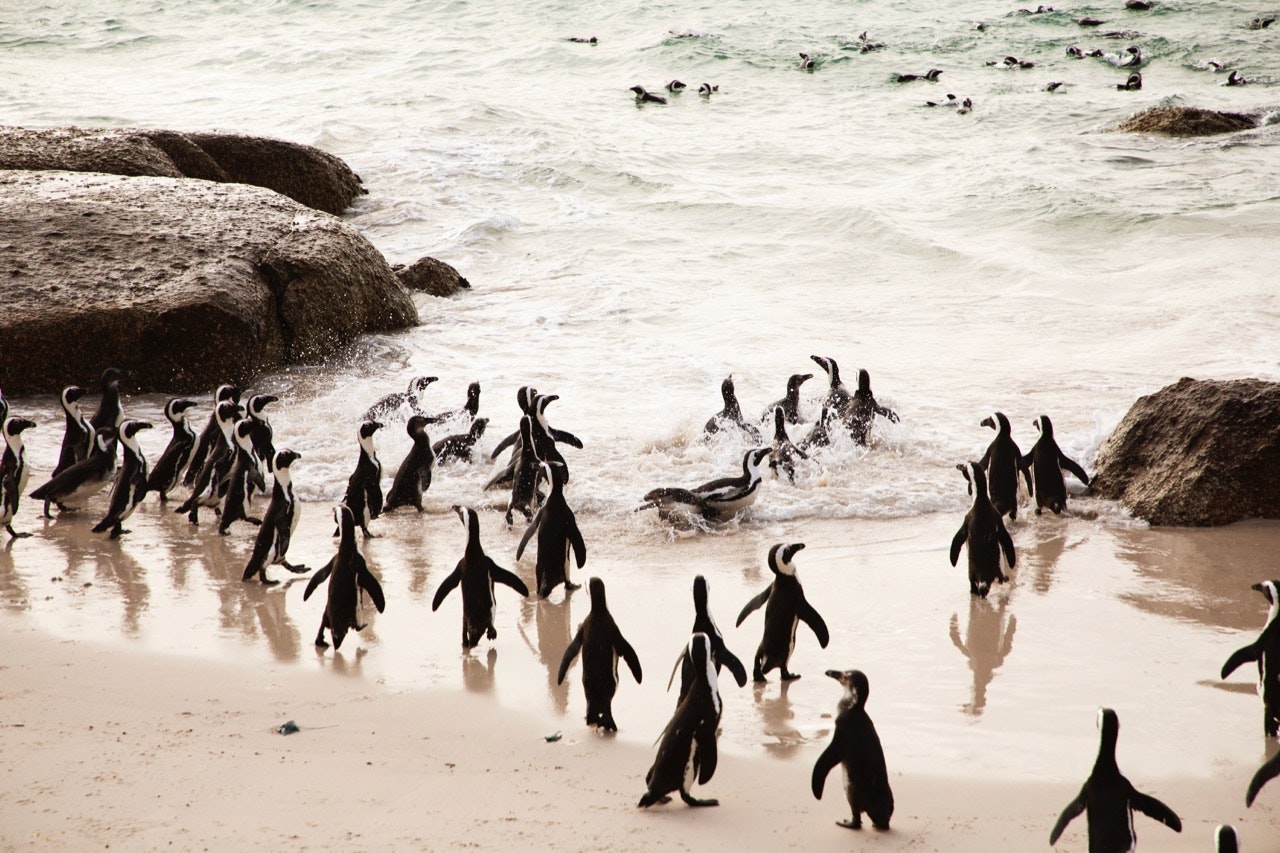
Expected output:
{"points": [[77, 439], [783, 454], [855, 746], [785, 607], [645, 97], [524, 480], [131, 481], [109, 413], [413, 477], [171, 465], [703, 623], [83, 479], [13, 471], [348, 574], [864, 408], [278, 523], [237, 489], [818, 436], [364, 486], [560, 542], [687, 746], [601, 644], [730, 415], [262, 435], [211, 434], [210, 484], [790, 402], [984, 530], [1003, 463], [476, 573], [460, 447], [718, 500], [838, 397], [1265, 651], [1046, 461], [391, 403]]}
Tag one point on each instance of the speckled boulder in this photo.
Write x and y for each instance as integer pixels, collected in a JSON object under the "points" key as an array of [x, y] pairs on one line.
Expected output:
{"points": [[1185, 121], [431, 276]]}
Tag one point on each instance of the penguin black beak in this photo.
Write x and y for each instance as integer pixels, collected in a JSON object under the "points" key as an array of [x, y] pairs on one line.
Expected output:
{"points": [[988, 422]]}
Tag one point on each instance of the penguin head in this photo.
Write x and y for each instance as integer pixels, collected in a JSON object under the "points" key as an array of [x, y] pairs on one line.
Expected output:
{"points": [[556, 473], [727, 392], [856, 688], [110, 378], [1270, 590], [1045, 426], [779, 423], [830, 367], [346, 521], [997, 421], [753, 459], [638, 89], [258, 402], [70, 394], [596, 587], [417, 425], [243, 434], [129, 431], [700, 654], [477, 427], [469, 520], [228, 393], [796, 380], [976, 478], [284, 458], [13, 427], [864, 381], [1108, 730], [1225, 840], [229, 411], [473, 393], [700, 594], [175, 410], [419, 384], [540, 405], [366, 431], [963, 468], [525, 398], [780, 557]]}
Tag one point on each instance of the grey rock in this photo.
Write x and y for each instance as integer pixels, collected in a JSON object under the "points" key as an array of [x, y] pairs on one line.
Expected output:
{"points": [[431, 276], [1185, 121]]}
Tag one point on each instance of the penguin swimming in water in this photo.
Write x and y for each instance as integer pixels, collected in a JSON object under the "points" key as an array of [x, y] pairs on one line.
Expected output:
{"points": [[236, 490], [839, 400], [1046, 461], [77, 439], [413, 478], [471, 408], [211, 434], [856, 747], [931, 75], [720, 654], [646, 97], [1132, 84], [131, 481], [524, 480], [477, 574], [1265, 651], [790, 402], [1003, 462], [83, 479], [1109, 800], [806, 62], [984, 530], [13, 471], [785, 607], [560, 542], [783, 454], [171, 465], [364, 486], [391, 403], [278, 523], [731, 415], [601, 644], [461, 446], [109, 413], [864, 408], [1269, 770], [718, 500], [818, 436], [687, 746], [348, 574], [209, 486]]}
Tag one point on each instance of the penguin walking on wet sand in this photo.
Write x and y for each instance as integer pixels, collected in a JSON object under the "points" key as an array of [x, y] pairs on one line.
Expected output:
{"points": [[1109, 800], [1046, 461], [110, 413], [983, 529], [720, 654], [364, 486], [718, 500], [171, 465], [83, 479], [461, 446], [348, 574], [601, 644], [855, 746], [278, 523], [783, 454], [838, 400], [790, 402], [864, 408], [413, 478], [13, 471], [687, 746], [211, 434], [1269, 770], [785, 607], [560, 541], [77, 438], [730, 415], [131, 481], [391, 403], [476, 573], [208, 488], [1003, 463], [239, 485], [524, 481], [1265, 651]]}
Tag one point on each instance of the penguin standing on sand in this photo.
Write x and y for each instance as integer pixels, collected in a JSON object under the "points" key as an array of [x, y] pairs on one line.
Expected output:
{"points": [[211, 434], [238, 487], [77, 439], [984, 530], [856, 747], [131, 481], [348, 574], [524, 481], [601, 644], [1265, 651], [790, 402], [278, 523], [460, 447], [476, 573], [413, 478], [783, 454], [720, 654], [364, 486], [1109, 800], [13, 471], [1046, 462], [83, 479], [171, 465], [718, 500], [785, 607], [687, 746], [109, 413], [731, 415], [864, 408], [208, 487], [559, 541], [838, 400], [1003, 463]]}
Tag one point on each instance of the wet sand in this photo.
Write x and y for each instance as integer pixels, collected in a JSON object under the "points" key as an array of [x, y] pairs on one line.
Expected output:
{"points": [[143, 681]]}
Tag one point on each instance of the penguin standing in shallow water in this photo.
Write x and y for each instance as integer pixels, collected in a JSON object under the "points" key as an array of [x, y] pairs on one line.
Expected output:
{"points": [[601, 644], [131, 481], [864, 408], [208, 489], [524, 481], [364, 486], [1003, 463], [525, 399], [211, 434], [77, 439], [1109, 800], [720, 654], [109, 413], [783, 454], [1265, 651], [278, 523], [476, 573], [1046, 461], [347, 573], [984, 530], [790, 403], [785, 607], [459, 447], [83, 479], [856, 747], [559, 541], [13, 471], [731, 415], [171, 465], [238, 487], [838, 400], [413, 478], [818, 436], [687, 747]]}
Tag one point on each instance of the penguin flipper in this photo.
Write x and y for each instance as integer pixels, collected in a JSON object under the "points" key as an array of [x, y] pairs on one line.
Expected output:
{"points": [[810, 617], [1025, 467], [562, 437], [724, 657], [679, 662], [317, 579], [578, 543], [825, 764], [1073, 810], [753, 605], [1156, 810], [530, 530], [1073, 467], [1249, 653], [1006, 544], [705, 738], [504, 444], [446, 587], [502, 576], [570, 653], [958, 541], [628, 654], [370, 584], [1267, 772]]}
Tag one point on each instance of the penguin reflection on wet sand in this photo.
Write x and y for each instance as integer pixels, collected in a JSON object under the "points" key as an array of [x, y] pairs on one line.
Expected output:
{"points": [[131, 481], [601, 644], [278, 523], [1046, 461], [1109, 800], [687, 746], [855, 746], [1265, 651], [476, 573], [984, 531], [560, 542], [720, 654], [785, 607], [988, 641], [13, 471], [730, 415], [348, 574]]}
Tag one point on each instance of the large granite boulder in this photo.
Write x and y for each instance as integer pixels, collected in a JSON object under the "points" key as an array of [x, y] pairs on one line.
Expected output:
{"points": [[1198, 452], [305, 174], [184, 283], [1185, 121]]}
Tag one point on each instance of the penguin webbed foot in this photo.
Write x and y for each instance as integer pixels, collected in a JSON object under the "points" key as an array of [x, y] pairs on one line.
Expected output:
{"points": [[320, 643], [296, 568], [648, 800], [570, 587], [696, 803], [853, 823], [789, 676], [13, 534], [117, 532]]}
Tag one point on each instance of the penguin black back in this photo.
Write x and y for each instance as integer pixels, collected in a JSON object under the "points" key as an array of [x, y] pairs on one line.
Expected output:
{"points": [[131, 481], [560, 541], [175, 459], [687, 750], [413, 478], [1046, 461], [601, 644], [984, 531], [364, 486], [785, 607], [77, 438], [790, 402], [348, 574], [460, 446], [731, 414], [13, 470], [856, 747], [783, 454], [1003, 463], [278, 523], [864, 408], [524, 483], [211, 434], [476, 574], [109, 413], [703, 623]]}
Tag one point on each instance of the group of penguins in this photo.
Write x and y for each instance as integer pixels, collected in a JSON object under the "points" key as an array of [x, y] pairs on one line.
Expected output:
{"points": [[227, 463]]}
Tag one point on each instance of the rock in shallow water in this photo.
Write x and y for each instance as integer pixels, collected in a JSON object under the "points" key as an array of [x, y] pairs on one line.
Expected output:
{"points": [[431, 276], [1197, 453], [1185, 121]]}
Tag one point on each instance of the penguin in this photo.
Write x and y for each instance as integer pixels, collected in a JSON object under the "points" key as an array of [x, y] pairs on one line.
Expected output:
{"points": [[806, 62], [1075, 52], [347, 573], [786, 608], [1054, 86], [790, 402], [364, 486], [864, 408], [1046, 462], [601, 644], [838, 397], [706, 90], [966, 107], [524, 481], [983, 528], [526, 397], [211, 434], [460, 446], [544, 442], [208, 487], [109, 413], [131, 481], [13, 471], [720, 654], [1269, 770], [413, 477], [1265, 651], [471, 408], [643, 97], [1133, 84], [1131, 58], [1003, 462], [171, 465], [583, 40], [391, 403], [783, 453], [83, 479], [559, 539], [1090, 22], [261, 435], [1235, 79], [856, 747], [718, 500], [687, 746], [236, 490], [818, 436], [931, 75], [77, 439], [1260, 23], [675, 87], [730, 415], [1139, 5], [1225, 840], [477, 574], [278, 523], [1109, 800], [951, 101]]}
